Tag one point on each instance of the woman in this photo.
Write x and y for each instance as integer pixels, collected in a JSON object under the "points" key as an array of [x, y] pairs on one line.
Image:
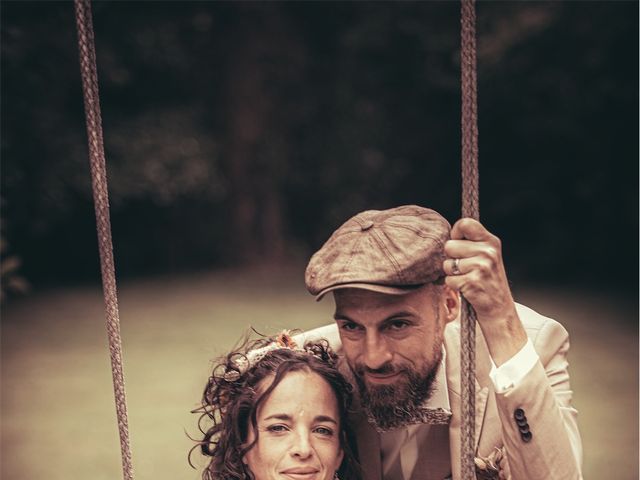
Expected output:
{"points": [[278, 412]]}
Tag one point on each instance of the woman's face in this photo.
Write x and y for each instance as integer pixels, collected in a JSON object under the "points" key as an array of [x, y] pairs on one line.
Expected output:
{"points": [[299, 428]]}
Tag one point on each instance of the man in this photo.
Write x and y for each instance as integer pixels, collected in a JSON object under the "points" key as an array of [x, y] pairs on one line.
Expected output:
{"points": [[396, 276]]}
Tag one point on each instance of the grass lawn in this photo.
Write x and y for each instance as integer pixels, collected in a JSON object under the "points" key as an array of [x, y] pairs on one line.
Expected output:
{"points": [[58, 415]]}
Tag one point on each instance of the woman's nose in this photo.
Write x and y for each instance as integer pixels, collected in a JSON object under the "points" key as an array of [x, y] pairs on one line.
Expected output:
{"points": [[301, 447]]}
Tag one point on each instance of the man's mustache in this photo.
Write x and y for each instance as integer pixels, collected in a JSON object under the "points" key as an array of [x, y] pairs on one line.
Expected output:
{"points": [[386, 369]]}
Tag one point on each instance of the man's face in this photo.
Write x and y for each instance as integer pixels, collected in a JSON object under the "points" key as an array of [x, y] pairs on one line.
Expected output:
{"points": [[393, 344]]}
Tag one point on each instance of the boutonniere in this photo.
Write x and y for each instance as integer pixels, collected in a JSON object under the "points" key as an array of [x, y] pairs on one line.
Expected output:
{"points": [[488, 468]]}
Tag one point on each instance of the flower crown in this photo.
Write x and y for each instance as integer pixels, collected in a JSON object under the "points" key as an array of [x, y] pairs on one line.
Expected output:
{"points": [[283, 340]]}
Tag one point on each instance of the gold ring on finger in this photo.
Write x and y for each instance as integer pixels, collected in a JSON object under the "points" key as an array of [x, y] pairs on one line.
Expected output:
{"points": [[456, 267]]}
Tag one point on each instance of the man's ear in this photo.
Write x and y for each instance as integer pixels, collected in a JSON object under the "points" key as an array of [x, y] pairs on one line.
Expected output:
{"points": [[451, 303]]}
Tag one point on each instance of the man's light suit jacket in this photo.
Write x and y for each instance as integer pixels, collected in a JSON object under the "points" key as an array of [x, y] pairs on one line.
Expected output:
{"points": [[554, 450]]}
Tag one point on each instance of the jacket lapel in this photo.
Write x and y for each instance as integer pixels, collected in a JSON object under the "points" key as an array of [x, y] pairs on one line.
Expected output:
{"points": [[483, 382], [368, 447], [483, 367], [433, 461]]}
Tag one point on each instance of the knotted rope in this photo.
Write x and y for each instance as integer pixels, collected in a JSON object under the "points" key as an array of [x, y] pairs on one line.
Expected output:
{"points": [[470, 208], [89, 73]]}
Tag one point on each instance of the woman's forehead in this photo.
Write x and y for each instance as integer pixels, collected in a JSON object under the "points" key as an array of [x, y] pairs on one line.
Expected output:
{"points": [[300, 391]]}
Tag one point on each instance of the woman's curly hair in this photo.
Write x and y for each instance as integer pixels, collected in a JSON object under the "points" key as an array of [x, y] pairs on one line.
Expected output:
{"points": [[231, 400]]}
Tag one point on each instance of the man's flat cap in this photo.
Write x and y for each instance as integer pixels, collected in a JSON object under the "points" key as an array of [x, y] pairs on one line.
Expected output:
{"points": [[392, 251]]}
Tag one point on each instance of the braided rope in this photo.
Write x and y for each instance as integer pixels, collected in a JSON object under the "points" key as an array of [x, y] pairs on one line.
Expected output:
{"points": [[470, 208], [89, 73]]}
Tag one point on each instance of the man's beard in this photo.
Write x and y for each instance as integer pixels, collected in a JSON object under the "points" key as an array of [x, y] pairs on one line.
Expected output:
{"points": [[398, 404]]}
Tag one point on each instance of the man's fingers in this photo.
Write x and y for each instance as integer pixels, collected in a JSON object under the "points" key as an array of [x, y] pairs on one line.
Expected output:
{"points": [[470, 229], [460, 248], [455, 266], [469, 249], [465, 284], [461, 266]]}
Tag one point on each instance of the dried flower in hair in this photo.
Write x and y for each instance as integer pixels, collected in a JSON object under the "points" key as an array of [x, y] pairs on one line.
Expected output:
{"points": [[284, 340]]}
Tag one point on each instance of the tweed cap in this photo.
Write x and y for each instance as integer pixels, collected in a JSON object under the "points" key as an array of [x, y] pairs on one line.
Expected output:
{"points": [[391, 251]]}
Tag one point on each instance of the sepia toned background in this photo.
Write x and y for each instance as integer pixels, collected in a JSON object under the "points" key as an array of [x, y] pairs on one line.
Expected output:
{"points": [[238, 136]]}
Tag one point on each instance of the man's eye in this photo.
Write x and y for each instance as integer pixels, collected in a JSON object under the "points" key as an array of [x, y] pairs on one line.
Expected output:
{"points": [[397, 325], [350, 326], [324, 431]]}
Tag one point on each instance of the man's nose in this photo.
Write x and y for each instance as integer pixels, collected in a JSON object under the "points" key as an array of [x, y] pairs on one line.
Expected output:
{"points": [[301, 447], [376, 352]]}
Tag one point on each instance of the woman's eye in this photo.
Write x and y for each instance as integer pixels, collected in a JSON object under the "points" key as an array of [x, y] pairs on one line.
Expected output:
{"points": [[277, 428], [324, 431]]}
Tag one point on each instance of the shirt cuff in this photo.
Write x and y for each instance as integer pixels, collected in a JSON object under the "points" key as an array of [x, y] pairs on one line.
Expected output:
{"points": [[509, 374]]}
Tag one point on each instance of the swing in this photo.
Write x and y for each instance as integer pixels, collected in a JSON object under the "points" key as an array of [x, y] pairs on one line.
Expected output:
{"points": [[470, 208]]}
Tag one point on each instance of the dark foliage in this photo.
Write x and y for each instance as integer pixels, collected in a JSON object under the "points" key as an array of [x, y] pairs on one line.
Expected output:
{"points": [[240, 132]]}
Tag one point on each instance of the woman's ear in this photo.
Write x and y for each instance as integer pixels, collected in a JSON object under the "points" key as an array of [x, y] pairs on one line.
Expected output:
{"points": [[451, 301], [245, 460]]}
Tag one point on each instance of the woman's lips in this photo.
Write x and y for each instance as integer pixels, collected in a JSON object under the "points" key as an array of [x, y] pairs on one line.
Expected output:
{"points": [[300, 472]]}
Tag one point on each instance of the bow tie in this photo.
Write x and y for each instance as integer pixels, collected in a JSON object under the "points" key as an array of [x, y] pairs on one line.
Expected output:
{"points": [[431, 416], [428, 416]]}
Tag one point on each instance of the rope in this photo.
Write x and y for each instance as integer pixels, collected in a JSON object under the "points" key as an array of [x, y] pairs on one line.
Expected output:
{"points": [[89, 73], [470, 208]]}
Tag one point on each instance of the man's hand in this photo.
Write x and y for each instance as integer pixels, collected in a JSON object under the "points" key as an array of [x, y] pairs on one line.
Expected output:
{"points": [[474, 267]]}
